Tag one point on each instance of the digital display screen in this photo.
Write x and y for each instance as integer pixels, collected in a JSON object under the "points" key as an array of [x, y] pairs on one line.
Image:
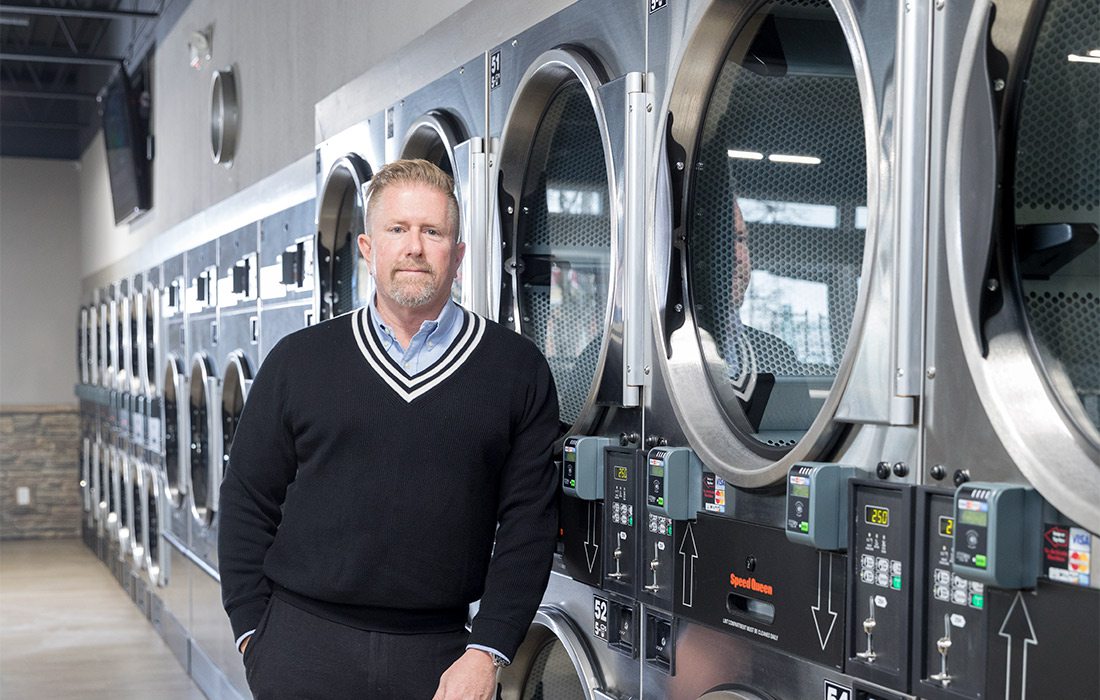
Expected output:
{"points": [[947, 526], [621, 473], [974, 517], [876, 515], [657, 471], [570, 455], [800, 490]]}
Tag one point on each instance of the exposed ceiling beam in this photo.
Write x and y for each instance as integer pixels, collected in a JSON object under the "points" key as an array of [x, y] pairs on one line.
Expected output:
{"points": [[76, 12], [54, 57]]}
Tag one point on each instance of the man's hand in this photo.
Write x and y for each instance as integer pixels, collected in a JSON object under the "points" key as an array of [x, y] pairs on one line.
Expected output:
{"points": [[472, 677], [244, 644]]}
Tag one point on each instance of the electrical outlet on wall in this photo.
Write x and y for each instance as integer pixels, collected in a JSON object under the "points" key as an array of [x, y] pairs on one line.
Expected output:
{"points": [[23, 496]]}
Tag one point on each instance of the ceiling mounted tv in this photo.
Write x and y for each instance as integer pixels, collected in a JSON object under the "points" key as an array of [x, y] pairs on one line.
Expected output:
{"points": [[129, 153]]}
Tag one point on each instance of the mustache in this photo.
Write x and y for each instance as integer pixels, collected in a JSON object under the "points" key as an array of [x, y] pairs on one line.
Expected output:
{"points": [[412, 265]]}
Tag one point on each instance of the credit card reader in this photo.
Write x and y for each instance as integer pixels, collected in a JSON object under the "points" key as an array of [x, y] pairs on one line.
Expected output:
{"points": [[997, 530], [582, 466], [817, 504]]}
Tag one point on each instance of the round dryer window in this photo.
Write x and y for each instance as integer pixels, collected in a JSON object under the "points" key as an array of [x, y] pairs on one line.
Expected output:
{"points": [[1057, 204], [174, 476], [202, 486], [561, 255], [776, 221], [346, 283], [151, 341], [238, 377]]}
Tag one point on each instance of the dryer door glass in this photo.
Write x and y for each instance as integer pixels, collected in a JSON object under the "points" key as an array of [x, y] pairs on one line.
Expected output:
{"points": [[345, 280], [136, 304], [563, 245], [233, 395], [151, 340], [171, 433], [201, 493], [1057, 203], [776, 220], [552, 675]]}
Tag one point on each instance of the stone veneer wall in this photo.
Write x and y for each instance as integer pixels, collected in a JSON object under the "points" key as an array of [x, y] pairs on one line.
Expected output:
{"points": [[40, 449]]}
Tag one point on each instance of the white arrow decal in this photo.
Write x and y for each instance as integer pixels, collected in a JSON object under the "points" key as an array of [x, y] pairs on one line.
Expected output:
{"points": [[1020, 625], [815, 610], [590, 547], [690, 552]]}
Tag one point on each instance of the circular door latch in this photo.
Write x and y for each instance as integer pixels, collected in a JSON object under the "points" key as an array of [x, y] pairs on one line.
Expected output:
{"points": [[225, 116]]}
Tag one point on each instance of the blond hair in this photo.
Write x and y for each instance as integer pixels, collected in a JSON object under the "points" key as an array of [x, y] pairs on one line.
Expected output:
{"points": [[413, 171]]}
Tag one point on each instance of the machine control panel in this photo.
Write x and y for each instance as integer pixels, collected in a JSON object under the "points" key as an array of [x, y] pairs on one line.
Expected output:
{"points": [[674, 477], [880, 582], [951, 627], [582, 466], [622, 514], [996, 534], [817, 504]]}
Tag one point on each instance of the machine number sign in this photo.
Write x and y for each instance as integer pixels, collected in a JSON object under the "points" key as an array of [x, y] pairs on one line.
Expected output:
{"points": [[599, 615], [834, 691]]}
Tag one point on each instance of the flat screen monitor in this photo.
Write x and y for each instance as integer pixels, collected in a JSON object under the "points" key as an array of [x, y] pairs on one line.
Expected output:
{"points": [[125, 134]]}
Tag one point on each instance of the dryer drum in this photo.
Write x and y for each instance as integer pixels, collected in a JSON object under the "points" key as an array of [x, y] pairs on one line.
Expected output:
{"points": [[175, 485], [151, 531], [201, 487], [237, 376], [137, 513], [151, 337], [345, 278], [103, 347], [137, 304], [558, 270], [552, 662]]}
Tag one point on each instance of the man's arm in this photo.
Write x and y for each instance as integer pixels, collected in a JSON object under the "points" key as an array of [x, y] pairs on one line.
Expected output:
{"points": [[527, 517], [262, 463]]}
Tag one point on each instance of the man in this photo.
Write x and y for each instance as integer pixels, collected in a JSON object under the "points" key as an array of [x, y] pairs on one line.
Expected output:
{"points": [[377, 459]]}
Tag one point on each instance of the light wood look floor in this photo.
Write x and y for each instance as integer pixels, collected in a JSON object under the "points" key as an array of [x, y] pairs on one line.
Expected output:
{"points": [[67, 630]]}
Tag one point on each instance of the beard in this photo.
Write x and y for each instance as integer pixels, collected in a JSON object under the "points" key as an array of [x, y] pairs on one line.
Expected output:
{"points": [[413, 293]]}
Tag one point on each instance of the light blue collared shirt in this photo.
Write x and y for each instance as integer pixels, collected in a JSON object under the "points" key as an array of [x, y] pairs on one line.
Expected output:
{"points": [[428, 345]]}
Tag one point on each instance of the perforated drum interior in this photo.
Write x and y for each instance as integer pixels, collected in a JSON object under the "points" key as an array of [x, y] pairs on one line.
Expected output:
{"points": [[776, 220], [133, 342], [238, 375], [151, 340], [1057, 204], [136, 488], [151, 531], [563, 244]]}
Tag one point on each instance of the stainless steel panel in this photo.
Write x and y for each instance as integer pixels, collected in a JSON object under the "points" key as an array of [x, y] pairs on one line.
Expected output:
{"points": [[216, 664]]}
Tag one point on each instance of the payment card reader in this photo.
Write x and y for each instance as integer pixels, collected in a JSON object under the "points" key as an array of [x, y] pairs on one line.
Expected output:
{"points": [[996, 532], [817, 504], [582, 466], [674, 483]]}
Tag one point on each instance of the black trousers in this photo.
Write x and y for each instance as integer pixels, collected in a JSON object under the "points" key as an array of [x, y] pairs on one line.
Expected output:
{"points": [[295, 654]]}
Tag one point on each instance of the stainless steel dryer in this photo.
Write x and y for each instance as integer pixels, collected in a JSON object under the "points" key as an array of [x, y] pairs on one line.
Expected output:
{"points": [[562, 131], [784, 285], [444, 122], [173, 463], [1013, 373], [288, 277], [346, 163], [215, 661]]}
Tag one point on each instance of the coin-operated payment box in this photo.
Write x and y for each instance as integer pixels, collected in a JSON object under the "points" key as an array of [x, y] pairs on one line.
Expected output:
{"points": [[673, 491], [817, 504], [996, 534], [582, 507], [582, 466]]}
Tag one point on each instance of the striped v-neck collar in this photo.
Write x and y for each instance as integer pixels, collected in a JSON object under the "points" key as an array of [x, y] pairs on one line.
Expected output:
{"points": [[410, 387]]}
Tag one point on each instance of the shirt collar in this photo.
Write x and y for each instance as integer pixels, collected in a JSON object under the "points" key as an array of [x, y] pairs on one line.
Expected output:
{"points": [[441, 325]]}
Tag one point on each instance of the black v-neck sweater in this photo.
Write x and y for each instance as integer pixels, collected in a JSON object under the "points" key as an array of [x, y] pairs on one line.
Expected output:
{"points": [[374, 498]]}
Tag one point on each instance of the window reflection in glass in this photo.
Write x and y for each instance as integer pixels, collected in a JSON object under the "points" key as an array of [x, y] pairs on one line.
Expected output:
{"points": [[775, 242], [1057, 200], [564, 245]]}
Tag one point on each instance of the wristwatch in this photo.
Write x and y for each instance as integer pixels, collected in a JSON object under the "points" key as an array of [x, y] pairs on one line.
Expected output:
{"points": [[498, 660]]}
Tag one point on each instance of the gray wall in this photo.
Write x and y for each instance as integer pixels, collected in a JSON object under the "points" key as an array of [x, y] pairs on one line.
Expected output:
{"points": [[40, 269]]}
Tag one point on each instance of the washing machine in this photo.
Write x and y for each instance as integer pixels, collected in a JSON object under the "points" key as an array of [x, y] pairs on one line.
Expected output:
{"points": [[1013, 375], [288, 279], [172, 460], [784, 273], [565, 140], [444, 122]]}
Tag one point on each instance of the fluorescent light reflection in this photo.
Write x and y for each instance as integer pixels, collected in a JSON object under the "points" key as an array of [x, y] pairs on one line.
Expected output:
{"points": [[763, 211], [745, 155], [574, 201], [800, 160], [1092, 56]]}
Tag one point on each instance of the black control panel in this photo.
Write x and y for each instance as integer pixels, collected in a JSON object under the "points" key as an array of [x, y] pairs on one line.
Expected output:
{"points": [[880, 582], [581, 527], [951, 621], [623, 480]]}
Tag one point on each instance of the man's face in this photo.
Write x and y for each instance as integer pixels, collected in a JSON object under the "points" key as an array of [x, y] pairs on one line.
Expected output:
{"points": [[410, 246], [742, 265]]}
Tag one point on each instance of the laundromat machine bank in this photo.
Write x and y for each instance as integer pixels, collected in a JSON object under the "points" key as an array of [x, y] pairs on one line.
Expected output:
{"points": [[821, 312]]}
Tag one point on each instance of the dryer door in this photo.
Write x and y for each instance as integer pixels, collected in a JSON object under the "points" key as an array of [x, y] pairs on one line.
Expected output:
{"points": [[559, 228], [202, 406], [237, 380], [1021, 208], [553, 662], [345, 279], [174, 471], [151, 341], [762, 250], [133, 343], [103, 348]]}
